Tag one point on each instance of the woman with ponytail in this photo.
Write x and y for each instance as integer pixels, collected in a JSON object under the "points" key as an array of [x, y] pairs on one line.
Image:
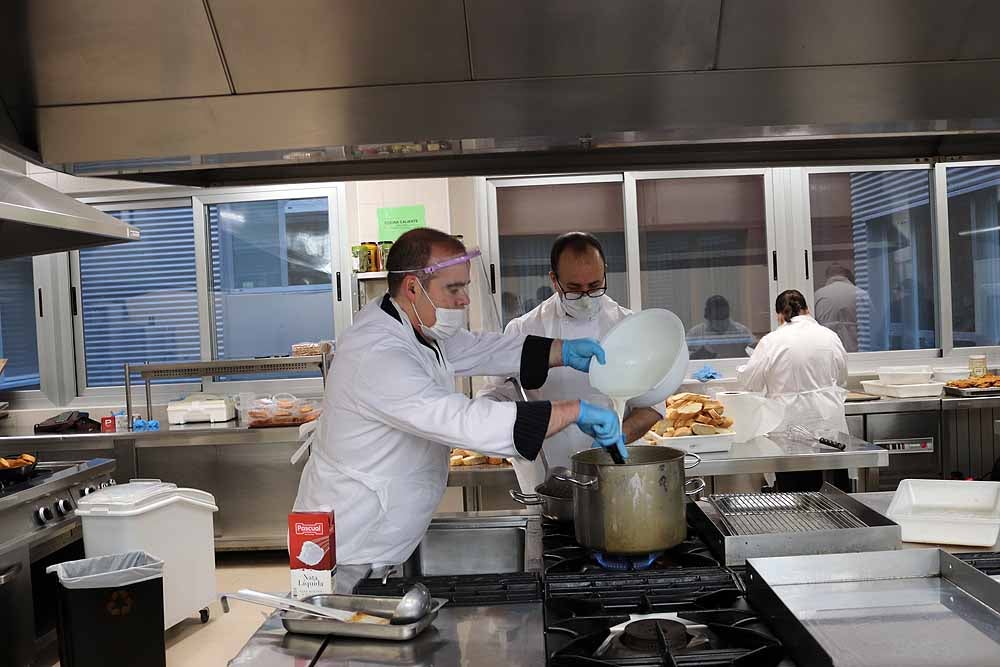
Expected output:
{"points": [[803, 365]]}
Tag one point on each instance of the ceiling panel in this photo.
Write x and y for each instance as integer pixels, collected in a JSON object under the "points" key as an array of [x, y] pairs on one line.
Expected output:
{"points": [[305, 44], [792, 33], [523, 38], [111, 50]]}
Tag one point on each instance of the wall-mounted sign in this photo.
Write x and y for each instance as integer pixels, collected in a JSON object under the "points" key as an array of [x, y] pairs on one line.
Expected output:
{"points": [[394, 221]]}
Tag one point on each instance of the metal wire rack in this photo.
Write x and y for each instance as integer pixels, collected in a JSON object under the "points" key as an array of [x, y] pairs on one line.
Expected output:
{"points": [[768, 513]]}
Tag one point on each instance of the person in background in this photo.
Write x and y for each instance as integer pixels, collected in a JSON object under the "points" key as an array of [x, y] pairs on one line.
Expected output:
{"points": [[391, 414], [718, 337], [804, 366], [579, 306], [838, 303]]}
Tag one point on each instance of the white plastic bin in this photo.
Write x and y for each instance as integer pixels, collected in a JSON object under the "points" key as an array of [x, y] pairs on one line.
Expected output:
{"points": [[944, 511], [175, 525]]}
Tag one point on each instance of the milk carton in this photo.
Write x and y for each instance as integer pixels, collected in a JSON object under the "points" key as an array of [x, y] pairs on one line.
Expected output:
{"points": [[312, 552]]}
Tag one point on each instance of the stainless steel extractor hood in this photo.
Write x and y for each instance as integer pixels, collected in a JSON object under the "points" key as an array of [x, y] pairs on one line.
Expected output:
{"points": [[207, 92], [37, 220]]}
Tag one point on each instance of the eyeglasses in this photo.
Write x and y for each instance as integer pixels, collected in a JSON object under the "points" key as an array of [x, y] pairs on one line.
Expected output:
{"points": [[593, 294]]}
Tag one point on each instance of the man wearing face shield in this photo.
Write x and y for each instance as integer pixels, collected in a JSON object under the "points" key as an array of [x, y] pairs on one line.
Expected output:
{"points": [[579, 307], [391, 414]]}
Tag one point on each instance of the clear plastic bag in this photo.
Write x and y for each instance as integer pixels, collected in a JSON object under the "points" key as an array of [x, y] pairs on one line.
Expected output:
{"points": [[281, 410], [111, 571]]}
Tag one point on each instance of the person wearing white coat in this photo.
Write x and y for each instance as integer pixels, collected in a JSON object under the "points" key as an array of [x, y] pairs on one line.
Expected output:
{"points": [[579, 308], [391, 413], [803, 365]]}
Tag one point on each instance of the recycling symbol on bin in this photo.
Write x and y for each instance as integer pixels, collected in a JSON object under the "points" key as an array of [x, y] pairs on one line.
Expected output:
{"points": [[119, 603]]}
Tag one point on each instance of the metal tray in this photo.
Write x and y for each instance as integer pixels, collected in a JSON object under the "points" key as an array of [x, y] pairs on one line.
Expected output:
{"points": [[307, 624], [909, 607], [864, 530], [972, 393]]}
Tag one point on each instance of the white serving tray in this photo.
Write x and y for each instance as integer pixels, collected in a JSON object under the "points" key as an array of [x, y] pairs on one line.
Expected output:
{"points": [[696, 444], [927, 389], [945, 511]]}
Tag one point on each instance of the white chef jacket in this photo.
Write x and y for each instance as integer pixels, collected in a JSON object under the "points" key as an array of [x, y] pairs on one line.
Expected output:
{"points": [[391, 415], [803, 365], [550, 319]]}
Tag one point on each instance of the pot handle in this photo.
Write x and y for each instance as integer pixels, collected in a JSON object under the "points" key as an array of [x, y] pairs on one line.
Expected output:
{"points": [[525, 498], [697, 460], [582, 481], [699, 486]]}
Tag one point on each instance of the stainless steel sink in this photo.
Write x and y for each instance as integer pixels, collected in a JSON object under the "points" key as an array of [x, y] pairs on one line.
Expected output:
{"points": [[478, 543]]}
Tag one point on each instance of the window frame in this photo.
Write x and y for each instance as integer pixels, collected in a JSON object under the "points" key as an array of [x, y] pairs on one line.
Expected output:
{"points": [[868, 362], [952, 354], [75, 391], [491, 252]]}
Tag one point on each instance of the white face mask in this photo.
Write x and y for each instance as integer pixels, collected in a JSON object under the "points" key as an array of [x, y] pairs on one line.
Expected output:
{"points": [[584, 308], [449, 320]]}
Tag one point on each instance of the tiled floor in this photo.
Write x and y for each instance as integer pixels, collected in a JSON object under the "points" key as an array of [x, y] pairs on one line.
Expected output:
{"points": [[191, 644]]}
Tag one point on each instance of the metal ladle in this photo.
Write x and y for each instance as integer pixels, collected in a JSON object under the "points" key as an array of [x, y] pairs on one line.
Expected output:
{"points": [[416, 603]]}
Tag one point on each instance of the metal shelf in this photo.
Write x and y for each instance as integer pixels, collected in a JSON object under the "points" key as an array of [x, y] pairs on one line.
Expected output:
{"points": [[204, 369], [372, 275], [226, 367]]}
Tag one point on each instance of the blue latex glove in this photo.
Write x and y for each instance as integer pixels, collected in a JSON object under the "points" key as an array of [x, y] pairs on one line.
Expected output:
{"points": [[706, 373], [577, 353], [620, 446], [599, 423]]}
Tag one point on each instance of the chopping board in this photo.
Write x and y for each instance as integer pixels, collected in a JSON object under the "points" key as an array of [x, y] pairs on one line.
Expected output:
{"points": [[860, 397]]}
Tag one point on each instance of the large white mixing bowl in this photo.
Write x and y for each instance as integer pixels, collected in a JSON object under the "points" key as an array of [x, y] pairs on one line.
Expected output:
{"points": [[647, 358]]}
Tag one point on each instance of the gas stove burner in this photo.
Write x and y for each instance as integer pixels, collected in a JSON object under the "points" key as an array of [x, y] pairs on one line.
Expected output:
{"points": [[626, 563], [648, 635], [10, 487]]}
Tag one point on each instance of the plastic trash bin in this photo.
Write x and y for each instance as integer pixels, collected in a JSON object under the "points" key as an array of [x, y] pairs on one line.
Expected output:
{"points": [[111, 611]]}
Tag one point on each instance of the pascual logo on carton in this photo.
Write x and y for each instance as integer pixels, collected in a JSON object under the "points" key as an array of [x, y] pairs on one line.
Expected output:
{"points": [[309, 529]]}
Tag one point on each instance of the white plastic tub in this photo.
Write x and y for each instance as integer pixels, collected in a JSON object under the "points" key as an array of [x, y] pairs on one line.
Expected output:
{"points": [[927, 389], [904, 374], [951, 373], [943, 511], [175, 525]]}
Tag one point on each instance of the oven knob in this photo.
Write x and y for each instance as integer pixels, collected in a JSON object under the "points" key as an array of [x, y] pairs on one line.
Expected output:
{"points": [[86, 491], [64, 507], [44, 514]]}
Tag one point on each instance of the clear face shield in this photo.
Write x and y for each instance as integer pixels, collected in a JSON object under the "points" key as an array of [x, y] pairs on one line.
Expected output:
{"points": [[483, 313]]}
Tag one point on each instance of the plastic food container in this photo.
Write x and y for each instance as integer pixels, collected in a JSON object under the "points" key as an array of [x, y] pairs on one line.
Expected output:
{"points": [[922, 390], [905, 374], [950, 373], [944, 511], [175, 525]]}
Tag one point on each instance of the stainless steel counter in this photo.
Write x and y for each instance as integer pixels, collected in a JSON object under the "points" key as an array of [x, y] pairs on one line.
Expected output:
{"points": [[500, 635], [167, 436]]}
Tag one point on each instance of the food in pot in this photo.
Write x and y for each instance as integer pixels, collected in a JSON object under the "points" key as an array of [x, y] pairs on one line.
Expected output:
{"points": [[692, 414], [19, 462]]}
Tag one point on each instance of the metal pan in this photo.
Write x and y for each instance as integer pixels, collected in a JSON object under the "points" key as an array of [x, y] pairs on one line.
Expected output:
{"points": [[555, 497], [308, 624]]}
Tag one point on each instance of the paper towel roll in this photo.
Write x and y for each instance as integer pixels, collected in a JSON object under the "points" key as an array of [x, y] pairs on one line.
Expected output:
{"points": [[753, 415]]}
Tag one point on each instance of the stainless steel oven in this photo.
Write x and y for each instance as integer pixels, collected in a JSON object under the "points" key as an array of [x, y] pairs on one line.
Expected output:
{"points": [[38, 528], [913, 442]]}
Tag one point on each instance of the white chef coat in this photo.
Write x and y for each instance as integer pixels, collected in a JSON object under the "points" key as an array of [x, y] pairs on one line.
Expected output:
{"points": [[550, 319], [390, 416], [803, 365]]}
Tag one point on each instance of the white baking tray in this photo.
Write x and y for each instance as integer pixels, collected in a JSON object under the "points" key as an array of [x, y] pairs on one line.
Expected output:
{"points": [[904, 374], [903, 390], [697, 444], [944, 511]]}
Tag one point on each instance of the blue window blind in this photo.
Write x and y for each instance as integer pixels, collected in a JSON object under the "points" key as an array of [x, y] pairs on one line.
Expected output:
{"points": [[18, 336], [140, 300]]}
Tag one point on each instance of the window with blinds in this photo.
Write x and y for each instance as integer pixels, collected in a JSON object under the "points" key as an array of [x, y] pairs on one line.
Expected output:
{"points": [[139, 300], [18, 336]]}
